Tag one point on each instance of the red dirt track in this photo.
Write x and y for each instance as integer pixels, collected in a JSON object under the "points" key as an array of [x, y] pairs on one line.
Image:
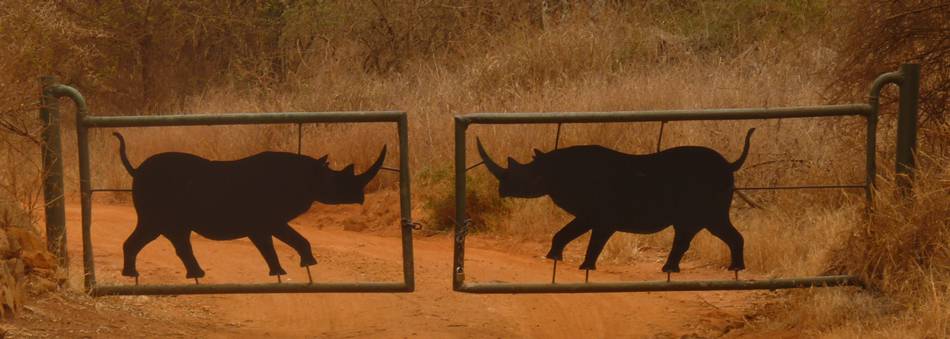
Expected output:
{"points": [[434, 310]]}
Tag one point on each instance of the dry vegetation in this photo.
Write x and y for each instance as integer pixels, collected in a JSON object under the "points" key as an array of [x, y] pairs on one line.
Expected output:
{"points": [[440, 58]]}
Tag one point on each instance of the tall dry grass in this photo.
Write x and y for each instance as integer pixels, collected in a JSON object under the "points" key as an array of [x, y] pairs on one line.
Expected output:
{"points": [[436, 59], [618, 58], [902, 253]]}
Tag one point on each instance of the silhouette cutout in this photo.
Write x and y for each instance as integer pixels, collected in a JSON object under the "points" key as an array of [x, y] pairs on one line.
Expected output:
{"points": [[255, 197], [688, 187]]}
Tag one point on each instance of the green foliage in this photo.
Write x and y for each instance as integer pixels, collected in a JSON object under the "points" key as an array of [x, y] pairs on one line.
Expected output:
{"points": [[146, 54], [392, 32], [731, 26], [483, 204]]}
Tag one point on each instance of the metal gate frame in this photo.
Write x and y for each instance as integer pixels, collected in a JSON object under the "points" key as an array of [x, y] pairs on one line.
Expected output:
{"points": [[908, 78], [55, 207]]}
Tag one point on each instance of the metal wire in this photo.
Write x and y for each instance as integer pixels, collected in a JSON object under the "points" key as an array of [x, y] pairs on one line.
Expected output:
{"points": [[475, 165], [110, 190], [659, 138]]}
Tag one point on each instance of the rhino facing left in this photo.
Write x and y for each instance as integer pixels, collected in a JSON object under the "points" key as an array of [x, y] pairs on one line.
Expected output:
{"points": [[255, 197]]}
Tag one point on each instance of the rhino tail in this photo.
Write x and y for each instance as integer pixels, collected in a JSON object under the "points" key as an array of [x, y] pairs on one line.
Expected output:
{"points": [[122, 155], [745, 152]]}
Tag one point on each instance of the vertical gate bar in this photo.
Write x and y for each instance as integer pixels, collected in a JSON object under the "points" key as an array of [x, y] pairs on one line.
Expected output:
{"points": [[85, 191], [405, 207], [907, 126], [870, 162], [54, 197], [659, 138], [300, 138], [461, 226]]}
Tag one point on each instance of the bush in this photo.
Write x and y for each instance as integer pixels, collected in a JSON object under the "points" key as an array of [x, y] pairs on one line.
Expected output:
{"points": [[483, 204], [904, 248], [891, 33]]}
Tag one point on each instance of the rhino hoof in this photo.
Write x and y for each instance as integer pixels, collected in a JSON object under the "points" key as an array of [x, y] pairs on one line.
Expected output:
{"points": [[195, 274], [130, 272], [590, 267], [307, 262], [736, 267], [279, 271], [671, 269], [554, 256]]}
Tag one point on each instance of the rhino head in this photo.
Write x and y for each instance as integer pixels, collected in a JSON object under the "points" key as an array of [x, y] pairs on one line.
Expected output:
{"points": [[518, 180], [344, 186]]}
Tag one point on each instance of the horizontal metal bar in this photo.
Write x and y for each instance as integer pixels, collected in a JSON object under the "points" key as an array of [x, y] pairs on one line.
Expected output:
{"points": [[673, 115], [798, 187], [238, 119], [104, 290], [661, 286], [94, 190]]}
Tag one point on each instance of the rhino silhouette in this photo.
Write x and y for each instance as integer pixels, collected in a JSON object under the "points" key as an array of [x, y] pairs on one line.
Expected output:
{"points": [[607, 191], [255, 197]]}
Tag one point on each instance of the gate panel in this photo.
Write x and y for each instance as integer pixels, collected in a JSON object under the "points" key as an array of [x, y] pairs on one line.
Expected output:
{"points": [[85, 122], [869, 111]]}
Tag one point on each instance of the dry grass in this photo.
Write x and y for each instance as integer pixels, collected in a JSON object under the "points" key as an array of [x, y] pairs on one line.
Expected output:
{"points": [[902, 253], [580, 60]]}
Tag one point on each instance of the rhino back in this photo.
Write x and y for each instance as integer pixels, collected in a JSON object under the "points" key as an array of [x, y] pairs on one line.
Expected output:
{"points": [[700, 168], [582, 179], [222, 199], [162, 182], [593, 180]]}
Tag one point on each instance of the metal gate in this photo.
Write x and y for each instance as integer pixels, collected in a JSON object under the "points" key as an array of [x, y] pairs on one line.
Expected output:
{"points": [[907, 78], [55, 207]]}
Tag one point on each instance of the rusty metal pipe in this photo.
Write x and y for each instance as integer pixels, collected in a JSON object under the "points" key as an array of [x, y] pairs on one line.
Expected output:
{"points": [[673, 115]]}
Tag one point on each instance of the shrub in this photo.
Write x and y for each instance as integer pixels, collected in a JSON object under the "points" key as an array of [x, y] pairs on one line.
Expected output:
{"points": [[483, 204]]}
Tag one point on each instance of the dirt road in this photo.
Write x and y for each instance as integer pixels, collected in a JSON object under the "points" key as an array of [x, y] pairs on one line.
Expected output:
{"points": [[434, 310]]}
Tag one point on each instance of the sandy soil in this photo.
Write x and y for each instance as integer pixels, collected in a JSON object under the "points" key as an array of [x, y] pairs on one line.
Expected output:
{"points": [[434, 310]]}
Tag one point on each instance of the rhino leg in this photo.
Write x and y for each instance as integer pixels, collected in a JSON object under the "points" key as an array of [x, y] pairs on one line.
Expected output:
{"points": [[598, 239], [681, 240], [300, 244], [729, 235], [568, 233], [265, 244], [141, 236], [181, 240]]}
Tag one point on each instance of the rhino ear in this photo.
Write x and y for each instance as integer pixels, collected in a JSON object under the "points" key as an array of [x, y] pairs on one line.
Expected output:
{"points": [[538, 153], [348, 169], [324, 158]]}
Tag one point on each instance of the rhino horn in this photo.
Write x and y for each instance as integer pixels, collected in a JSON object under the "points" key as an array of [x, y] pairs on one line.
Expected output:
{"points": [[493, 167], [371, 172]]}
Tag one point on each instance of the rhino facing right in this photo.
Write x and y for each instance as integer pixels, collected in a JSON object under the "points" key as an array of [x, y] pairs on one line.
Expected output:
{"points": [[688, 187]]}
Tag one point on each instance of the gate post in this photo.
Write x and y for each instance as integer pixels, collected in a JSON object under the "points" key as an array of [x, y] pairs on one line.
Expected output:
{"points": [[907, 126], [54, 203], [461, 223]]}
